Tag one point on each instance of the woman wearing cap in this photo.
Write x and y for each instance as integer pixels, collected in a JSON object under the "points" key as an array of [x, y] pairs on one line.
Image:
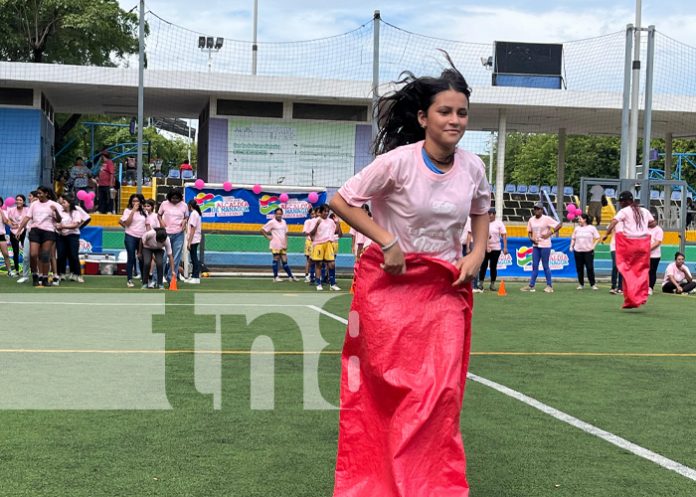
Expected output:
{"points": [[540, 229], [632, 249], [496, 233]]}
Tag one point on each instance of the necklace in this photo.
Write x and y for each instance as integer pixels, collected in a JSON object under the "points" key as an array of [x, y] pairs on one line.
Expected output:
{"points": [[443, 162]]}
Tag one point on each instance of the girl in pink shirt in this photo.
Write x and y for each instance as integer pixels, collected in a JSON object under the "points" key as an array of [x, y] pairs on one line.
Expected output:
{"points": [[496, 233], [14, 216], [406, 354], [194, 240], [69, 238], [134, 220], [582, 243], [540, 229], [152, 220], [172, 217], [43, 214], [4, 220], [306, 228], [656, 237], [276, 232], [678, 277]]}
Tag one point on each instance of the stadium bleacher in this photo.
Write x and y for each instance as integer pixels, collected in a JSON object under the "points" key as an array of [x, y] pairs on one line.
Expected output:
{"points": [[520, 199]]}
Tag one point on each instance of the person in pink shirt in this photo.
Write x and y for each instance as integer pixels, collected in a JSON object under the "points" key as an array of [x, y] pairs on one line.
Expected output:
{"points": [[105, 182], [4, 220], [152, 247], [172, 217], [399, 426], [360, 242], [195, 223], [134, 220], [24, 237], [306, 228], [540, 229], [656, 237], [496, 234], [43, 214], [323, 251], [69, 238], [582, 243], [276, 232], [152, 221], [14, 216], [677, 278]]}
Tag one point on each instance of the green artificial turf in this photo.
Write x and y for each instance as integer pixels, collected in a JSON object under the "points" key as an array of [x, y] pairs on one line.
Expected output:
{"points": [[601, 366]]}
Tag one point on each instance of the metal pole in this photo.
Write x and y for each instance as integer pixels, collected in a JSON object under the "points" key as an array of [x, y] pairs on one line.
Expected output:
{"points": [[490, 158], [635, 96], [189, 141], [667, 212], [375, 73], [210, 60], [647, 115], [141, 97], [560, 177], [254, 46], [626, 102], [500, 173]]}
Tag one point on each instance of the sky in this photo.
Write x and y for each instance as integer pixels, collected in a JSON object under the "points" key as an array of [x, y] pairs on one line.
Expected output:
{"points": [[477, 21]]}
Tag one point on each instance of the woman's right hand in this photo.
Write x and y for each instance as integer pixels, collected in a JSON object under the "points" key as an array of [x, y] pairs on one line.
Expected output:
{"points": [[394, 261]]}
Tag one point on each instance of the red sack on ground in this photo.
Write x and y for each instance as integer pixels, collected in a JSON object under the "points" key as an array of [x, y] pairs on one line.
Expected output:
{"points": [[633, 261], [404, 366]]}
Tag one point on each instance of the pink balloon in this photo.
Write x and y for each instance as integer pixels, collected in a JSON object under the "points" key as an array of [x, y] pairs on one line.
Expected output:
{"points": [[10, 201], [570, 207], [91, 196], [256, 189], [81, 195], [227, 186], [313, 197], [284, 197], [199, 183], [571, 216], [89, 204]]}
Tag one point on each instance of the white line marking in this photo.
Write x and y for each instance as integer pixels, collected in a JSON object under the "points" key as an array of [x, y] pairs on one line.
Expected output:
{"points": [[147, 304], [622, 443], [327, 313], [590, 429]]}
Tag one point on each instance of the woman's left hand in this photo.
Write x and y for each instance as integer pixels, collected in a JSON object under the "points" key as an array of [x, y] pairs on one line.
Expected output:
{"points": [[468, 266]]}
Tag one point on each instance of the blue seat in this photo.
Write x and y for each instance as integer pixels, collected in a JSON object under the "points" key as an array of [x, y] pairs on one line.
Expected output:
{"points": [[533, 189], [545, 188], [610, 192], [654, 195], [521, 188], [676, 195], [510, 188], [174, 174], [186, 174], [568, 190], [554, 190]]}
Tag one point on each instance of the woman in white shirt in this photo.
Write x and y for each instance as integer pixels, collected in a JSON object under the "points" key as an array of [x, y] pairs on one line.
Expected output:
{"points": [[678, 277]]}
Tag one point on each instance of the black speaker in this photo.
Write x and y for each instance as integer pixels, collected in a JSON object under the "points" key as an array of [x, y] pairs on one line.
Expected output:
{"points": [[543, 59]]}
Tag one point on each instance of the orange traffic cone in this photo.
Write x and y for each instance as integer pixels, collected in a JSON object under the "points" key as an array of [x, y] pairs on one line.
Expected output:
{"points": [[172, 285], [501, 289]]}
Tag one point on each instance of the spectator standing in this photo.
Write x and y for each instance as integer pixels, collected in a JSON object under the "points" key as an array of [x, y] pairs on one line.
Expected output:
{"points": [[105, 182]]}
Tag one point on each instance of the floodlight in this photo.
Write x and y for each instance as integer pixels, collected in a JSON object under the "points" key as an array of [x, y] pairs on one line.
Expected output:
{"points": [[209, 42], [218, 43], [201, 42]]}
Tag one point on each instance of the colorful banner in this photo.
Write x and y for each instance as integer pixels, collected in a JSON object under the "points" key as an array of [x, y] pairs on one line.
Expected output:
{"points": [[518, 261], [91, 238], [244, 206]]}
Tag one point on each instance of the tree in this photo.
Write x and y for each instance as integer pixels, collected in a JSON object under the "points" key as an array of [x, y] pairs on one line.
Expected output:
{"points": [[85, 32]]}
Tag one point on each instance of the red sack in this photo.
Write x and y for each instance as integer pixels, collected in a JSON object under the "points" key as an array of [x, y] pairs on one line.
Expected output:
{"points": [[633, 261], [404, 366]]}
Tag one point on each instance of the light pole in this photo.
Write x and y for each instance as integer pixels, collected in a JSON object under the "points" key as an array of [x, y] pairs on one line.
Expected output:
{"points": [[254, 46], [210, 44]]}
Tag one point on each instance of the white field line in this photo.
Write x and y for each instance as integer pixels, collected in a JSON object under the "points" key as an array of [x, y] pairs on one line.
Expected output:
{"points": [[622, 443], [147, 304]]}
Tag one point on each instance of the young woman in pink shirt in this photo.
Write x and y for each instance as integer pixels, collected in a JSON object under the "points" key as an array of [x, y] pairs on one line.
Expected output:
{"points": [[44, 215], [15, 215], [677, 277], [582, 243], [496, 234], [69, 238], [172, 217], [406, 352], [4, 220], [194, 237], [323, 251], [656, 236], [276, 232], [540, 229], [134, 220]]}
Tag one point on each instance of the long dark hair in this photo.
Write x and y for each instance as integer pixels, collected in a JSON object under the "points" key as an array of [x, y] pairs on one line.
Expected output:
{"points": [[193, 205], [626, 197], [141, 206], [70, 199], [398, 111]]}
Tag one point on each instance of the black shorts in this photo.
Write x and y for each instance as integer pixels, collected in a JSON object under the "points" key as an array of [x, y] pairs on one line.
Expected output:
{"points": [[39, 236]]}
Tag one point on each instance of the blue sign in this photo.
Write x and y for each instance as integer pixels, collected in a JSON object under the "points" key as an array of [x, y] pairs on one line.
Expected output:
{"points": [[240, 205], [518, 261], [91, 239]]}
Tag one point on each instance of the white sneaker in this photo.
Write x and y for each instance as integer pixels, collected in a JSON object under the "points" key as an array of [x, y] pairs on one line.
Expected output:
{"points": [[292, 278], [319, 288], [23, 279], [477, 290], [79, 279], [151, 284], [335, 288], [11, 274], [130, 284], [530, 289], [55, 281], [580, 287], [650, 291], [277, 279], [194, 281], [594, 287], [548, 289], [307, 279]]}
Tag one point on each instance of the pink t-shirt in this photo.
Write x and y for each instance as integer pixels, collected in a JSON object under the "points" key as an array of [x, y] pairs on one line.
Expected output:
{"points": [[279, 232], [152, 221], [137, 226], [426, 210], [15, 216], [173, 216], [325, 231], [612, 243], [66, 218], [464, 238], [677, 273], [539, 227], [307, 227], [630, 227], [584, 237], [194, 223], [656, 235], [359, 239], [41, 214], [149, 241], [495, 231]]}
